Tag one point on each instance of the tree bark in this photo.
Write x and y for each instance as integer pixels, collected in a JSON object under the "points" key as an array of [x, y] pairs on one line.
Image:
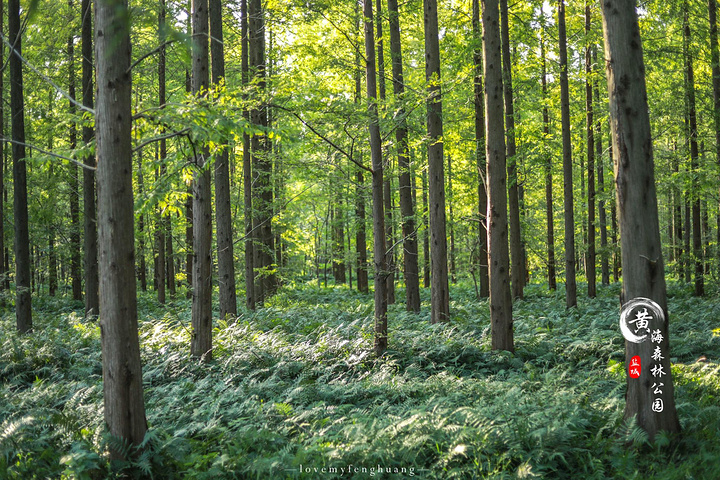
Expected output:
{"points": [[451, 223], [570, 281], [694, 195], [379, 250], [590, 260], [223, 214], [201, 343], [715, 67], [23, 306], [516, 268], [642, 261], [602, 215], [90, 238], [439, 290], [426, 231], [163, 221], [4, 268], [250, 299], [479, 100], [76, 249], [497, 216], [122, 370], [549, 205], [407, 210]]}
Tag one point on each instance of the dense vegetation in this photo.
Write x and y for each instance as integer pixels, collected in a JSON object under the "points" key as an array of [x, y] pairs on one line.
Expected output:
{"points": [[294, 384]]}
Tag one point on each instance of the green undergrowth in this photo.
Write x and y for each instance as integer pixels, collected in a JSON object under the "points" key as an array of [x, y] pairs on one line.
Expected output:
{"points": [[294, 389]]}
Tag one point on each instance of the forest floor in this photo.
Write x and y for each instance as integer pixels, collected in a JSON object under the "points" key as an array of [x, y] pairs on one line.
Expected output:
{"points": [[293, 392]]}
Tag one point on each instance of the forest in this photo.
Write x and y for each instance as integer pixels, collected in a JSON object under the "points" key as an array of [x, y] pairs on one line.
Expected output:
{"points": [[354, 238]]}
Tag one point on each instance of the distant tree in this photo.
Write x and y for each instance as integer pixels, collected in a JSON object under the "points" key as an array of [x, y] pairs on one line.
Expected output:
{"points": [[122, 371], [589, 135], [549, 205], [250, 299], [642, 260], [76, 248]]}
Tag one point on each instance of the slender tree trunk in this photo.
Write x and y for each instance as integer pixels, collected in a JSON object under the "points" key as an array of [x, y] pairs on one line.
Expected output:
{"points": [[649, 398], [75, 248], [4, 267], [360, 234], [479, 100], [52, 263], [223, 214], [570, 281], [170, 256], [379, 250], [201, 342], [694, 197], [516, 268], [439, 291], [426, 231], [407, 210], [142, 267], [451, 224], [163, 221], [602, 216], [590, 126], [250, 299], [122, 370], [90, 238], [497, 215], [262, 164], [23, 307], [715, 61], [549, 205]]}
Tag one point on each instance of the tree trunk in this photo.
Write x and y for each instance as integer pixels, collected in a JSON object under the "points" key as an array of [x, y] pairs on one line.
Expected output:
{"points": [[170, 256], [549, 205], [23, 307], [142, 267], [648, 399], [4, 270], [451, 223], [694, 196], [479, 100], [497, 216], [426, 230], [201, 343], [162, 224], [380, 283], [92, 281], [262, 163], [570, 281], [223, 214], [122, 370], [439, 290], [590, 126], [407, 210], [52, 263], [715, 60], [75, 248], [602, 216], [516, 269], [247, 174]]}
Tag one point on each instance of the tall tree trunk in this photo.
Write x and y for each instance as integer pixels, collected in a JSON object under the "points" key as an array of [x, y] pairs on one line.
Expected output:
{"points": [[439, 290], [223, 214], [4, 270], [648, 399], [90, 238], [497, 215], [163, 221], [379, 249], [602, 215], [549, 205], [451, 223], [694, 196], [122, 370], [142, 267], [23, 307], [169, 255], [52, 263], [360, 234], [426, 231], [407, 210], [201, 342], [516, 269], [589, 132], [479, 100], [570, 281], [75, 248], [613, 215], [262, 163], [715, 61], [250, 299]]}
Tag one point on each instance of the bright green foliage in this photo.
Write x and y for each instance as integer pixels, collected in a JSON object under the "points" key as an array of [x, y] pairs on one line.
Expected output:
{"points": [[294, 384]]}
